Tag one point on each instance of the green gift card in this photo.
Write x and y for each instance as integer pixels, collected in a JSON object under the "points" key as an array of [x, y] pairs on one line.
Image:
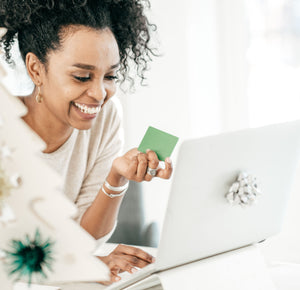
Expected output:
{"points": [[158, 141]]}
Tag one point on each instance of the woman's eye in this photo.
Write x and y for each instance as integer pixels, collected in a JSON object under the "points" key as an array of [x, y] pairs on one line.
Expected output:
{"points": [[111, 78], [82, 79]]}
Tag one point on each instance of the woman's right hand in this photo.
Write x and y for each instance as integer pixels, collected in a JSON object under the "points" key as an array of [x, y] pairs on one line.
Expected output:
{"points": [[133, 166], [125, 258]]}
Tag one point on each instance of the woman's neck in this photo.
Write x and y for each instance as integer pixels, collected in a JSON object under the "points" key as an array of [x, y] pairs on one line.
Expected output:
{"points": [[54, 135]]}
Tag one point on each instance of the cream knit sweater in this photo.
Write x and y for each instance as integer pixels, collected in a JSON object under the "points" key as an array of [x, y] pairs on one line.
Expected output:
{"points": [[85, 159]]}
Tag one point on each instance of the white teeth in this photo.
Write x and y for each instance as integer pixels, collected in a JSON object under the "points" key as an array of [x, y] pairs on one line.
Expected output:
{"points": [[85, 109]]}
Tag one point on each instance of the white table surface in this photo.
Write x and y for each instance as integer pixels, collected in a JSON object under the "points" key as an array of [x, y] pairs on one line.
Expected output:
{"points": [[286, 276]]}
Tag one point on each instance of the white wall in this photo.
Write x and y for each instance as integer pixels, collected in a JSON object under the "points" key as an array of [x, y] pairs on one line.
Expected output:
{"points": [[203, 68]]}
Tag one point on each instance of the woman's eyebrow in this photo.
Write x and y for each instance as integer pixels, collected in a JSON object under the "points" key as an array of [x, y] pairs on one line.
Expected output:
{"points": [[92, 67], [84, 66], [115, 65]]}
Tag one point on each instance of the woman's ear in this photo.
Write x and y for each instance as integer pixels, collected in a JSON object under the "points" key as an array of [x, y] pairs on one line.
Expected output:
{"points": [[34, 68]]}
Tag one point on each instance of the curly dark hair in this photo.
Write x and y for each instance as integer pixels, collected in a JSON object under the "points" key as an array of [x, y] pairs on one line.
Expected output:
{"points": [[39, 26]]}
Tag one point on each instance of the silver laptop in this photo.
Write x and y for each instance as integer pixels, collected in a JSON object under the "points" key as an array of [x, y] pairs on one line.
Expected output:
{"points": [[228, 191]]}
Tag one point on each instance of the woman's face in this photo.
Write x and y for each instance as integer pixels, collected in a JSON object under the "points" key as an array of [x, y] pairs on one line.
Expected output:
{"points": [[80, 77]]}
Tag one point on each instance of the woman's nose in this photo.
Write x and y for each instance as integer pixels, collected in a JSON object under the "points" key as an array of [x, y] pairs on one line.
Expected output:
{"points": [[98, 92]]}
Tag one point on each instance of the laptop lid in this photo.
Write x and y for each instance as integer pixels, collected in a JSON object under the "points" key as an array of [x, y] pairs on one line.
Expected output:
{"points": [[200, 221]]}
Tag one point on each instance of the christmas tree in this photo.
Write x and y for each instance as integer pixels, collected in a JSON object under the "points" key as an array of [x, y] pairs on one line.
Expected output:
{"points": [[39, 241]]}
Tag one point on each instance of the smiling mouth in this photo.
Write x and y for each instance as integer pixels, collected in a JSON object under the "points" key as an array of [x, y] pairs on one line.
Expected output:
{"points": [[87, 110]]}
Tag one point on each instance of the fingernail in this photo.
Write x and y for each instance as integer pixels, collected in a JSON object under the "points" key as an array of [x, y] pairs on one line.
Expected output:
{"points": [[148, 150], [134, 270], [153, 259], [168, 159], [117, 279]]}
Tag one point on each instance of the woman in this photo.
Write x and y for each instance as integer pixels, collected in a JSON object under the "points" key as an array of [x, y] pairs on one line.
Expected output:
{"points": [[74, 51]]}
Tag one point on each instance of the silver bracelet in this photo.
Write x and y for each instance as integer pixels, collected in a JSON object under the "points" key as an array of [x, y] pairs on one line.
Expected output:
{"points": [[116, 188], [114, 195]]}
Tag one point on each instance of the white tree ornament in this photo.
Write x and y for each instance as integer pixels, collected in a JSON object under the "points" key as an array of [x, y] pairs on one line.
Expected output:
{"points": [[41, 215]]}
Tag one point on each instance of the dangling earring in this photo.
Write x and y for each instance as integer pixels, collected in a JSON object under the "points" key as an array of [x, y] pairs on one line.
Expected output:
{"points": [[38, 97]]}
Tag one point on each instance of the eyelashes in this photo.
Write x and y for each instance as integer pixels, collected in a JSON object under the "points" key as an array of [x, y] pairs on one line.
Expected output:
{"points": [[86, 79], [111, 78], [82, 79]]}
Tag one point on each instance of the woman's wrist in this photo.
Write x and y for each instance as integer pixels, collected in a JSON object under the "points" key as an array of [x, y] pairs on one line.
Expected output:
{"points": [[115, 179], [113, 191]]}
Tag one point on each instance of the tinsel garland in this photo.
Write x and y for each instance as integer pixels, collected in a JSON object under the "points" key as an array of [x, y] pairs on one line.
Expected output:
{"points": [[29, 258]]}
